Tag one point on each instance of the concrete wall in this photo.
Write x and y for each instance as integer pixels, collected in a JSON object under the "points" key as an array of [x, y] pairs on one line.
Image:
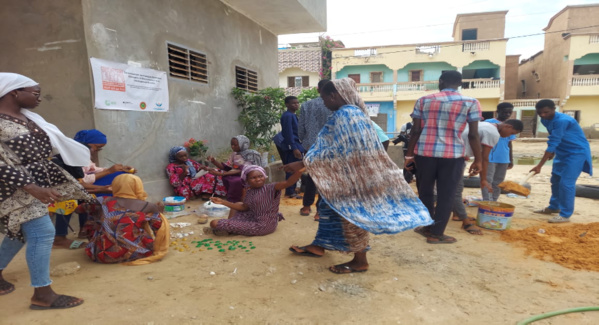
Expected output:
{"points": [[490, 25], [533, 86], [511, 76], [44, 40], [137, 30], [588, 107]]}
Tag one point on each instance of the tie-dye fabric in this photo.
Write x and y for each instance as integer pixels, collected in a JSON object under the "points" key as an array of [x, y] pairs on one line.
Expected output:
{"points": [[358, 180]]}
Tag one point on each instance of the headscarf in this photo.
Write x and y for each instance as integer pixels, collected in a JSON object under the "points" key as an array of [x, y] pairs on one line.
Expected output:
{"points": [[346, 87], [90, 136], [249, 155], [11, 81], [128, 186], [172, 158], [250, 168], [72, 153]]}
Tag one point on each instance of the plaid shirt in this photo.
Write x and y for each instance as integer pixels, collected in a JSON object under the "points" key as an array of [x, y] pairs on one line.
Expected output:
{"points": [[444, 116]]}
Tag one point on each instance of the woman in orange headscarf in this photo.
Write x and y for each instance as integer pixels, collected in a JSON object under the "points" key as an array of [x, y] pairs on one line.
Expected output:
{"points": [[128, 227]]}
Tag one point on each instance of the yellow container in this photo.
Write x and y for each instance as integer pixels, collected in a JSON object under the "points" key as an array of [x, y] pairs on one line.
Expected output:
{"points": [[494, 215]]}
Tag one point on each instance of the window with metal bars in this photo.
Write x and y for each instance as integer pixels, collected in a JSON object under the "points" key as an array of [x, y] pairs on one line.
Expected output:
{"points": [[246, 79], [187, 64]]}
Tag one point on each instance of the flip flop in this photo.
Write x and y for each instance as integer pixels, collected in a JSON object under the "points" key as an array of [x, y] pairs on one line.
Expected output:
{"points": [[475, 231], [76, 244], [443, 239], [422, 232], [302, 213], [344, 269], [61, 302], [304, 253], [6, 287]]}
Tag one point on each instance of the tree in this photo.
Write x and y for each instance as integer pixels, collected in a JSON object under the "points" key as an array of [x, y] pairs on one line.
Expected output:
{"points": [[260, 112]]}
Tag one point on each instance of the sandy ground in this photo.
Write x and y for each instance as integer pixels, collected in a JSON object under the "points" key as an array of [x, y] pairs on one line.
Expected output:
{"points": [[478, 280]]}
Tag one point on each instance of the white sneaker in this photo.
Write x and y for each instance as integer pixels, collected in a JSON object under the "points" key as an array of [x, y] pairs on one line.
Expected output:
{"points": [[558, 219]]}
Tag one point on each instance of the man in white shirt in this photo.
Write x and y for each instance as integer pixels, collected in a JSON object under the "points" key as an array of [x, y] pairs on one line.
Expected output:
{"points": [[489, 134]]}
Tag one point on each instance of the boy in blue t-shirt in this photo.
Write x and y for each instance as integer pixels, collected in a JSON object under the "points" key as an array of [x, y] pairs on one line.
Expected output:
{"points": [[500, 157]]}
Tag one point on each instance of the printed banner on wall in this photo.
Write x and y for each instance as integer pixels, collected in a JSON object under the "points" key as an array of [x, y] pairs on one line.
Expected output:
{"points": [[124, 87], [373, 109]]}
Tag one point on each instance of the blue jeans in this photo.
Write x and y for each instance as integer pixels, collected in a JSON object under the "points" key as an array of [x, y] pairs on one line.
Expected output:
{"points": [[39, 236]]}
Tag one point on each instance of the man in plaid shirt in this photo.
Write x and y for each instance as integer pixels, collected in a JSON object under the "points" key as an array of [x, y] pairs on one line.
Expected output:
{"points": [[437, 150]]}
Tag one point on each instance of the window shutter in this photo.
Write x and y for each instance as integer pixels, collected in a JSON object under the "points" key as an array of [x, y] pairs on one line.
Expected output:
{"points": [[305, 81], [290, 81]]}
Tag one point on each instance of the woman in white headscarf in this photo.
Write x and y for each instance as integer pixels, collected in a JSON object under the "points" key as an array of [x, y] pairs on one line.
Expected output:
{"points": [[29, 181]]}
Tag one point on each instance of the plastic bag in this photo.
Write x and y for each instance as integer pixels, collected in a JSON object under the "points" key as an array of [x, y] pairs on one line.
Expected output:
{"points": [[215, 210]]}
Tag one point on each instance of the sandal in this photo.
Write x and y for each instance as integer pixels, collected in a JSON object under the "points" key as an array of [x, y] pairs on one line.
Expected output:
{"points": [[61, 302], [468, 225], [305, 212], [422, 232], [443, 239], [344, 269], [6, 287]]}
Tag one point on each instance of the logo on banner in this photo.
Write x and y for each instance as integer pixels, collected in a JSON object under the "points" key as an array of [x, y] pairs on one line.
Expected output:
{"points": [[113, 79], [109, 102], [142, 105], [158, 104]]}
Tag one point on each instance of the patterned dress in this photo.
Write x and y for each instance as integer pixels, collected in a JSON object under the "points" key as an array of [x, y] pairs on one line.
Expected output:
{"points": [[122, 234], [206, 184], [25, 152], [261, 219]]}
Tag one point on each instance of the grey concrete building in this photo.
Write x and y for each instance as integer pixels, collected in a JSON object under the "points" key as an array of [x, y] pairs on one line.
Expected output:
{"points": [[52, 41]]}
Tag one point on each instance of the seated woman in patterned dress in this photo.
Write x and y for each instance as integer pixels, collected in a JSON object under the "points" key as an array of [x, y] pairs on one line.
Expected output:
{"points": [[231, 170], [127, 227], [258, 214], [185, 175]]}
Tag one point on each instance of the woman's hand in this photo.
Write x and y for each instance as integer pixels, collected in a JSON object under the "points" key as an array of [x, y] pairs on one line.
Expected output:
{"points": [[160, 206], [46, 195], [293, 167], [117, 168], [216, 200], [216, 172], [129, 169], [537, 169], [211, 159]]}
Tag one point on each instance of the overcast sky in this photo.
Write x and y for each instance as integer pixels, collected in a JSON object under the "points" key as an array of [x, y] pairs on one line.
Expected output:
{"points": [[387, 22]]}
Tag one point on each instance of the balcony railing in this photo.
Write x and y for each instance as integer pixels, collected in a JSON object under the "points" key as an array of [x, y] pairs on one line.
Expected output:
{"points": [[593, 39], [376, 87], [418, 85], [529, 102], [480, 83], [586, 80], [476, 46]]}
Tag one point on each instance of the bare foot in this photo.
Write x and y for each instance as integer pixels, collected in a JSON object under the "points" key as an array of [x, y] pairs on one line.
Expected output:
{"points": [[62, 242], [316, 250]]}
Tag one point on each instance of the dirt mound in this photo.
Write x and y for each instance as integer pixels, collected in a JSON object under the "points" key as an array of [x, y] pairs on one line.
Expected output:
{"points": [[575, 246]]}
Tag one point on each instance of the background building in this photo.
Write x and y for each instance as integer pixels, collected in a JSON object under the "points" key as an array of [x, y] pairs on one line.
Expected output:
{"points": [[299, 67], [392, 78], [52, 41], [567, 69]]}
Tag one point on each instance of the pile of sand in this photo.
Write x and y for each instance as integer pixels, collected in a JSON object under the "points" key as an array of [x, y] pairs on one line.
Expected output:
{"points": [[575, 246]]}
